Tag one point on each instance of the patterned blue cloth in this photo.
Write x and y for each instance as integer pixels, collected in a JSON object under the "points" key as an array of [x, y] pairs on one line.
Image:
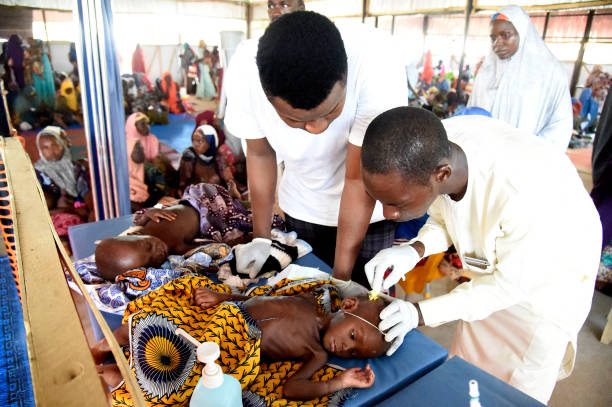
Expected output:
{"points": [[112, 297], [15, 381]]}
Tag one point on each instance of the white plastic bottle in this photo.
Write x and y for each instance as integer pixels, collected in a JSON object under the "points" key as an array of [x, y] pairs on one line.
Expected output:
{"points": [[214, 389]]}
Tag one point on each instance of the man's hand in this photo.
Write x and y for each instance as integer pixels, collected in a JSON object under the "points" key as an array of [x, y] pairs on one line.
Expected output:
{"points": [[156, 215], [251, 257], [398, 318], [206, 298], [349, 288], [400, 259], [357, 378]]}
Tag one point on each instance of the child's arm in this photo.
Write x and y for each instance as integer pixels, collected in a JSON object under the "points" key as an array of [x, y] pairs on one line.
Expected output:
{"points": [[185, 173], [301, 387], [206, 298], [142, 217], [223, 168]]}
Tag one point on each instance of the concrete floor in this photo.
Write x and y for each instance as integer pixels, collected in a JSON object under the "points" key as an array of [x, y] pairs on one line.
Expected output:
{"points": [[591, 382]]}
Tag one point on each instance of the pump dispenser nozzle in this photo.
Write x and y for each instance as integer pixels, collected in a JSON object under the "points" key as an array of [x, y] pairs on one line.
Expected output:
{"points": [[208, 353], [474, 394]]}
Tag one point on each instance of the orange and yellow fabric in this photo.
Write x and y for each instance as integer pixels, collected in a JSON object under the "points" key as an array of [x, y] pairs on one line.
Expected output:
{"points": [[425, 271]]}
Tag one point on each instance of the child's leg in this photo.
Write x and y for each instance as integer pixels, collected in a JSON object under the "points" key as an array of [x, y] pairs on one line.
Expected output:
{"points": [[110, 374]]}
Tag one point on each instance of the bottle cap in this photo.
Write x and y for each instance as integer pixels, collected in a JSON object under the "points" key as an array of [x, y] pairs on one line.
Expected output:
{"points": [[474, 389]]}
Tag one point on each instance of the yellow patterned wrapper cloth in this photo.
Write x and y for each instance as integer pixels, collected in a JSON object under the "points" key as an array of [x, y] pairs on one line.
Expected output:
{"points": [[166, 366]]}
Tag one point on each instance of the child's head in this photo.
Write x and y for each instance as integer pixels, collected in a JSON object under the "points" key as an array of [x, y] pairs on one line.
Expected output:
{"points": [[117, 255], [348, 336], [142, 124], [50, 142], [204, 138]]}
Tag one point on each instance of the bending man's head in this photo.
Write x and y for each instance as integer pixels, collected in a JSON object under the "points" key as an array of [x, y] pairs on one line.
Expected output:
{"points": [[404, 159], [349, 336], [277, 8], [302, 67]]}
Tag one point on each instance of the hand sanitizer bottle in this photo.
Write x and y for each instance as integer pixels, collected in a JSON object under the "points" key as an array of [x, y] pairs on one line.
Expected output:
{"points": [[214, 389]]}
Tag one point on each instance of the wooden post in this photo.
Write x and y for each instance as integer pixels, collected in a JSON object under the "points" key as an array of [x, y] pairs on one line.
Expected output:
{"points": [[425, 27], [249, 18], [365, 10], [469, 7], [578, 64]]}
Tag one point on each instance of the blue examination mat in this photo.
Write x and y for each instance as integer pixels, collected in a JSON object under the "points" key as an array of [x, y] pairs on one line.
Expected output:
{"points": [[447, 385]]}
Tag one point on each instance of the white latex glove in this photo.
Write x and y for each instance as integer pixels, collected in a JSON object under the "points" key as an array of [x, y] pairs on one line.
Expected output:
{"points": [[401, 258], [251, 257], [349, 288], [399, 318]]}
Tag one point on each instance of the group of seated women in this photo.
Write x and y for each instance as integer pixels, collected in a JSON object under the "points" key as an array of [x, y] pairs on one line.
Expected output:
{"points": [[152, 174]]}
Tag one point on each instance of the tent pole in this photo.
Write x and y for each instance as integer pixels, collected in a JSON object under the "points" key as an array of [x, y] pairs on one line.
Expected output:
{"points": [[469, 7], [545, 25], [578, 63], [249, 17]]}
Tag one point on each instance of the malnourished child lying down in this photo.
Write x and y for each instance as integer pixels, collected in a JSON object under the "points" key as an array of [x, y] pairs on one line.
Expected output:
{"points": [[303, 327], [206, 212], [292, 328]]}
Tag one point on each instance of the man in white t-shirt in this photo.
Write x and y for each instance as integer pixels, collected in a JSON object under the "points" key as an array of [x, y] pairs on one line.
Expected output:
{"points": [[307, 92], [519, 216]]}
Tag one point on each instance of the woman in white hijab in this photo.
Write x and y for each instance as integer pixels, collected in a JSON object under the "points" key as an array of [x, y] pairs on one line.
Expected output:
{"points": [[521, 82]]}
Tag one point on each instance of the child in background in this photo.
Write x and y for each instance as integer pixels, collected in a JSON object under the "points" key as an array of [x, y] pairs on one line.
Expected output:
{"points": [[65, 182], [155, 161], [202, 162]]}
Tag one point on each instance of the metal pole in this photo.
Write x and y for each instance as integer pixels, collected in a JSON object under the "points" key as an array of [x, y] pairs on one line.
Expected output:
{"points": [[249, 17], [578, 64], [47, 36], [425, 27], [468, 12], [392, 25], [545, 25], [364, 11]]}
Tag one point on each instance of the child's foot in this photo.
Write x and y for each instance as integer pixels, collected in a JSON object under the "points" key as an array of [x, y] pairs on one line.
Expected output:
{"points": [[110, 374], [100, 351]]}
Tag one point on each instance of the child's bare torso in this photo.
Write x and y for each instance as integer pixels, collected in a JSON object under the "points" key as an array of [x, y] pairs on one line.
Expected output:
{"points": [[205, 173], [290, 326], [178, 234]]}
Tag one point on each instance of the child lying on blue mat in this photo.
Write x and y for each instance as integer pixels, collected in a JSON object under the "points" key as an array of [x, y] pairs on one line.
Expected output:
{"points": [[300, 321], [206, 212]]}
